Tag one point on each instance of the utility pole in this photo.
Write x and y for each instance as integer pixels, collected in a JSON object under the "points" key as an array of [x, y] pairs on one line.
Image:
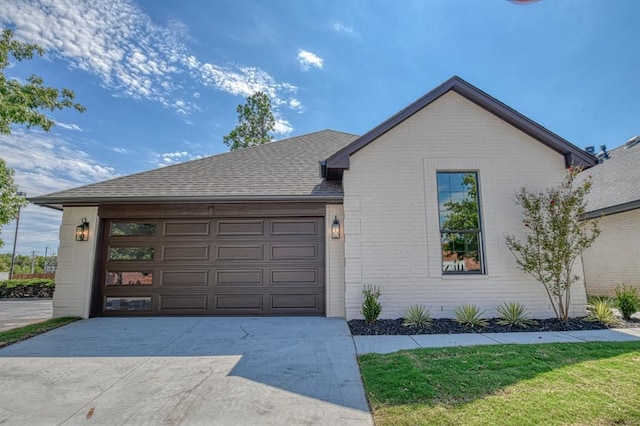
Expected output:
{"points": [[15, 237], [33, 262]]}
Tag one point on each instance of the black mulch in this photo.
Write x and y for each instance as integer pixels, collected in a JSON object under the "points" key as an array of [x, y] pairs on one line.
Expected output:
{"points": [[449, 326]]}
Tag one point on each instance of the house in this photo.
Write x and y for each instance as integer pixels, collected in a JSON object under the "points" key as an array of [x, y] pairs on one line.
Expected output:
{"points": [[615, 199], [419, 206]]}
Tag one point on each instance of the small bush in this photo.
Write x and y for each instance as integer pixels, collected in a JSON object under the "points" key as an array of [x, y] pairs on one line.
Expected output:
{"points": [[514, 314], [627, 300], [371, 308], [600, 311], [417, 315], [470, 315], [592, 299], [37, 287]]}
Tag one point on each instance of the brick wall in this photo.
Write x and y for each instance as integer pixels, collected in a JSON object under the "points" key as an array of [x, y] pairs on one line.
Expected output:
{"points": [[391, 224], [613, 258], [334, 263], [74, 276]]}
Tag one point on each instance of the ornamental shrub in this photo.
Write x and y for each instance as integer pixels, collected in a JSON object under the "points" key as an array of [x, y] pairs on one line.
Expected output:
{"points": [[371, 308], [37, 287], [627, 300]]}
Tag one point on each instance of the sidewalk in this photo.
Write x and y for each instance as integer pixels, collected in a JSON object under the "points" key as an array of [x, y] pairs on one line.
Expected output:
{"points": [[388, 344]]}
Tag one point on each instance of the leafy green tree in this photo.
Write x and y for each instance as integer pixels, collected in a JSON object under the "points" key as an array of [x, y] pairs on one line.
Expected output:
{"points": [[255, 123], [10, 201], [556, 237], [23, 103]]}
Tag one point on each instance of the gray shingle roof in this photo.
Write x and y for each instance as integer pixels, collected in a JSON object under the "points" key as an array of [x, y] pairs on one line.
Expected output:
{"points": [[616, 182], [284, 169]]}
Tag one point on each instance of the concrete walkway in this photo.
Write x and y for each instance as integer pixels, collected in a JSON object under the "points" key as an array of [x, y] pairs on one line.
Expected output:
{"points": [[191, 371], [388, 344]]}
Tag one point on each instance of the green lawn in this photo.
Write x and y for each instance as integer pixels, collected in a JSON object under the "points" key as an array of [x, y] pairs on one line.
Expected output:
{"points": [[17, 334], [550, 384]]}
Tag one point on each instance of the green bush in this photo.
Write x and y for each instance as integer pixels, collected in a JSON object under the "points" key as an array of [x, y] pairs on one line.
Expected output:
{"points": [[417, 315], [470, 315], [592, 299], [627, 300], [514, 314], [371, 308], [600, 311], [37, 287]]}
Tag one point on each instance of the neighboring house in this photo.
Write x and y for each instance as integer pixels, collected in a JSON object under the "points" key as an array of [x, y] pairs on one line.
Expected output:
{"points": [[615, 199], [422, 202]]}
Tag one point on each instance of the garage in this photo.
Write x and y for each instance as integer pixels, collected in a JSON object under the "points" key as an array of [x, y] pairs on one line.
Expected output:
{"points": [[211, 266]]}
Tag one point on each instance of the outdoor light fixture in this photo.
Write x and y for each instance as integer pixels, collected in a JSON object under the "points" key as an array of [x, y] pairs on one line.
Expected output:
{"points": [[82, 230], [335, 229]]}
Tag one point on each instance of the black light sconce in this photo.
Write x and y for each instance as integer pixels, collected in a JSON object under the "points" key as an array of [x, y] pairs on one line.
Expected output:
{"points": [[335, 229], [82, 230]]}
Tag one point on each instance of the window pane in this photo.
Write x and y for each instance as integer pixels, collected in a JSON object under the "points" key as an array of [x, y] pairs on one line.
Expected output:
{"points": [[133, 229], [459, 216], [129, 278], [461, 252], [128, 304], [131, 253]]}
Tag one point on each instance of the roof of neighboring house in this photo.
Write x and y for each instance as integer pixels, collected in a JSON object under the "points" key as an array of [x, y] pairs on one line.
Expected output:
{"points": [[616, 182], [282, 170], [334, 165]]}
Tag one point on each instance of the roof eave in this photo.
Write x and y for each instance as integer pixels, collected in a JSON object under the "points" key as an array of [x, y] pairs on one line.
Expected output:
{"points": [[95, 201], [605, 211], [572, 154]]}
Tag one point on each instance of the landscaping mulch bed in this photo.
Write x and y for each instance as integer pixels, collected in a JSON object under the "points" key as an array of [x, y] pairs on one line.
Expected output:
{"points": [[449, 326]]}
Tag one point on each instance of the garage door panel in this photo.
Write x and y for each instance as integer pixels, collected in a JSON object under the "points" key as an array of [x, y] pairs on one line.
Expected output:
{"points": [[181, 278], [241, 277], [239, 228], [295, 277], [308, 227], [183, 253], [183, 228], [289, 252], [238, 252], [294, 301], [230, 302], [183, 302]]}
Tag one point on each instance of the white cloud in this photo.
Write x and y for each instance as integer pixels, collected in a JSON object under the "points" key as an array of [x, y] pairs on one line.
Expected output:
{"points": [[282, 127], [169, 158], [45, 163], [69, 126], [307, 60], [341, 28], [132, 55]]}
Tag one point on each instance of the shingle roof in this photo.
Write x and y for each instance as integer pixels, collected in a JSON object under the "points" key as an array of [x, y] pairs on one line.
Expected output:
{"points": [[616, 182], [279, 170]]}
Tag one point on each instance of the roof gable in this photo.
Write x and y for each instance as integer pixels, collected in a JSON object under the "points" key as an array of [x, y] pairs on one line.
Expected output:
{"points": [[332, 167]]}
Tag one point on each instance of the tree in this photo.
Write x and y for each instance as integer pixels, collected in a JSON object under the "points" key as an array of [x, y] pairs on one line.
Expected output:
{"points": [[255, 122], [24, 103], [556, 236], [10, 201]]}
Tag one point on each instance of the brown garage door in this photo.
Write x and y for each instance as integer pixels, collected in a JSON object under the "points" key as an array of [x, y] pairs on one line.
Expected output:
{"points": [[265, 266]]}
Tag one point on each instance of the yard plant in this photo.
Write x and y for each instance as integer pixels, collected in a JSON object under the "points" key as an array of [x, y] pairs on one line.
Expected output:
{"points": [[556, 236], [544, 384], [37, 287], [600, 311], [627, 300], [371, 308], [470, 315], [417, 315], [514, 314]]}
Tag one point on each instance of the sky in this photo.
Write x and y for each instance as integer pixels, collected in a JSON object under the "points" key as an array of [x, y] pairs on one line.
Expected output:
{"points": [[161, 79]]}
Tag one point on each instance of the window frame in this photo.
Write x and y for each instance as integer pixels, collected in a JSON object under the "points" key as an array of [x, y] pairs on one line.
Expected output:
{"points": [[479, 231]]}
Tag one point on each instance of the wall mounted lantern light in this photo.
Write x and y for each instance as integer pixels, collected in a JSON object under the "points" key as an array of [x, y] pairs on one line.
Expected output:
{"points": [[82, 230], [335, 229]]}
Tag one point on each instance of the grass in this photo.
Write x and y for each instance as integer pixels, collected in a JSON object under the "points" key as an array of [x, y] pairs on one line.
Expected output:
{"points": [[551, 384], [18, 334]]}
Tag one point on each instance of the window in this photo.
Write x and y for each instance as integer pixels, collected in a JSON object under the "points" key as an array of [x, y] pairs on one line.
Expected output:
{"points": [[460, 233], [130, 253], [129, 278], [132, 229], [128, 304]]}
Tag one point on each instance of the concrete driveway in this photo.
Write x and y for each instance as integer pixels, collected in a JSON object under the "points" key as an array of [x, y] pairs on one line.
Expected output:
{"points": [[196, 371]]}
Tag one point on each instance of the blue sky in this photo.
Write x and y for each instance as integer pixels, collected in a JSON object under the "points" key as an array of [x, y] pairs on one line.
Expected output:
{"points": [[161, 79]]}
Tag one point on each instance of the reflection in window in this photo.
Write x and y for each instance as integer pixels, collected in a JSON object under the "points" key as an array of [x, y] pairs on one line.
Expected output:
{"points": [[133, 229], [131, 253], [129, 278], [458, 206], [128, 304]]}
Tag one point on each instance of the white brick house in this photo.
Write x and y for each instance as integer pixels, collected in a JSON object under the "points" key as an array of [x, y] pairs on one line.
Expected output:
{"points": [[250, 232]]}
